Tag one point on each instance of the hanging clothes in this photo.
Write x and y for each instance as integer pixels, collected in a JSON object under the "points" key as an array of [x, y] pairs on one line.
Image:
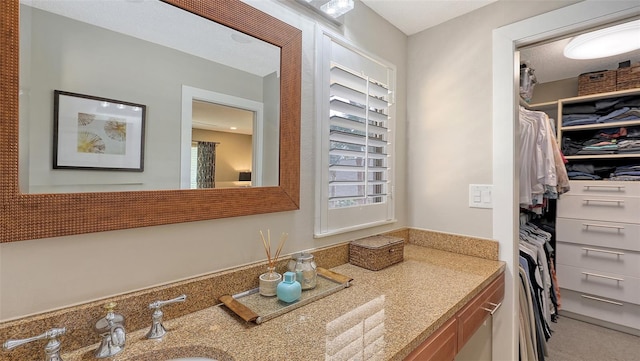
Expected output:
{"points": [[543, 178], [542, 171], [539, 289]]}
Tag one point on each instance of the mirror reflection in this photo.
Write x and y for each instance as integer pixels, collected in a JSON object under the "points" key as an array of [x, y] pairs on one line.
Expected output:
{"points": [[221, 144], [173, 63]]}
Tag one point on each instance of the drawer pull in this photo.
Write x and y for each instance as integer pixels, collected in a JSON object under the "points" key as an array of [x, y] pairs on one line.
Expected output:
{"points": [[618, 201], [602, 300], [587, 274], [587, 225], [587, 249], [619, 188], [495, 308]]}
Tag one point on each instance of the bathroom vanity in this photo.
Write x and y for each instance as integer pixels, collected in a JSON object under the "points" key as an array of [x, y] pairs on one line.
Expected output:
{"points": [[431, 298]]}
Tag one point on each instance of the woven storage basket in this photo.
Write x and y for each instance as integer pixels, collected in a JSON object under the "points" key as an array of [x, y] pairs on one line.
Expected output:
{"points": [[376, 252], [628, 78], [597, 82]]}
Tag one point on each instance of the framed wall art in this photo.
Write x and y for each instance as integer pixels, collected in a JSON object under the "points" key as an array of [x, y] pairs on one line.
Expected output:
{"points": [[97, 133]]}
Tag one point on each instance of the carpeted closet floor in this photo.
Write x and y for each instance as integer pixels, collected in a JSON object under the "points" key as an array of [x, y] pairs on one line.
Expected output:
{"points": [[574, 340]]}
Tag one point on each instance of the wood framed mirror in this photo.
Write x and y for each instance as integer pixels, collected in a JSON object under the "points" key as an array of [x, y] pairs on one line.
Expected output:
{"points": [[31, 216]]}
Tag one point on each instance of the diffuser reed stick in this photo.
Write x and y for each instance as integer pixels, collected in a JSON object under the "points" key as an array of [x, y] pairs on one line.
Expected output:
{"points": [[267, 248]]}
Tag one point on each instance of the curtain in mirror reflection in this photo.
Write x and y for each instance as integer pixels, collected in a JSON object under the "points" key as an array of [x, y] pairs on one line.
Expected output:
{"points": [[203, 165]]}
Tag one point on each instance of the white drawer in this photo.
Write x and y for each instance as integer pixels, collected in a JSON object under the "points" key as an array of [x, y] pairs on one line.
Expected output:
{"points": [[600, 283], [623, 262], [598, 233], [601, 308], [614, 209], [604, 188]]}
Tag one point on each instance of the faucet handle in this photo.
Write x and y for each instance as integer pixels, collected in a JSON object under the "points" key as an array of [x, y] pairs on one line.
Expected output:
{"points": [[157, 330], [110, 306], [158, 304], [52, 350], [111, 319]]}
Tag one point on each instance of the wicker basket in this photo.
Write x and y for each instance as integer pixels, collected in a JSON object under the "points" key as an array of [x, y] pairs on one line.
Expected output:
{"points": [[376, 252], [597, 82], [628, 78]]}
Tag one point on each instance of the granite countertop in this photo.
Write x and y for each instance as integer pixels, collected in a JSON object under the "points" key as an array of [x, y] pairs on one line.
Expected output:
{"points": [[384, 315]]}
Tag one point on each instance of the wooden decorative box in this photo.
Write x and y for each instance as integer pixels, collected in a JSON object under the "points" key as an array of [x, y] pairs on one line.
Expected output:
{"points": [[597, 82], [628, 78], [376, 252]]}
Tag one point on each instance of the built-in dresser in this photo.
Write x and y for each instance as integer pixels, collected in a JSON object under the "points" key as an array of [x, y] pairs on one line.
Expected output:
{"points": [[598, 252]]}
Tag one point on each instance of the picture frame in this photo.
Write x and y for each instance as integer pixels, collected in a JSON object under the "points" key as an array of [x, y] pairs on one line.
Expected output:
{"points": [[95, 133]]}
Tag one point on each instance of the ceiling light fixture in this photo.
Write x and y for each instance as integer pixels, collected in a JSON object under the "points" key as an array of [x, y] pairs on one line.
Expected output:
{"points": [[618, 39], [336, 8], [330, 9]]}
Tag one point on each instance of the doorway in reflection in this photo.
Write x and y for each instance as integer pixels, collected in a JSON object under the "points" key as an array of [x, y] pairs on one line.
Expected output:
{"points": [[222, 144], [246, 135]]}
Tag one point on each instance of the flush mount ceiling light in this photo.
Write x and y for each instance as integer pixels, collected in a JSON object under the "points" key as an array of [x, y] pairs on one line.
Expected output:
{"points": [[330, 9], [336, 8], [601, 43]]}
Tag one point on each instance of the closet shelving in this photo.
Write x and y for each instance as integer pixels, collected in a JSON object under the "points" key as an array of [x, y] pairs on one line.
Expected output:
{"points": [[598, 231], [563, 131], [545, 106], [359, 108]]}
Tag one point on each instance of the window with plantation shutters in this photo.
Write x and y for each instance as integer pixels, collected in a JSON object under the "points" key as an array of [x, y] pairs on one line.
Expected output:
{"points": [[358, 116], [356, 150]]}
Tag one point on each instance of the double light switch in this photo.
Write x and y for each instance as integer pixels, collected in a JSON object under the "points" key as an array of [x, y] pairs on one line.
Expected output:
{"points": [[480, 196]]}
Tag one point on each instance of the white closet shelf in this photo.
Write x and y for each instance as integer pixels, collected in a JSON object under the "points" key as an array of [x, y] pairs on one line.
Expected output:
{"points": [[601, 125], [603, 156], [599, 96], [543, 106], [573, 131]]}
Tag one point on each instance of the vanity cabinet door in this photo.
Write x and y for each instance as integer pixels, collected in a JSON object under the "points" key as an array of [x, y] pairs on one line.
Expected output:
{"points": [[448, 340], [440, 346], [473, 315]]}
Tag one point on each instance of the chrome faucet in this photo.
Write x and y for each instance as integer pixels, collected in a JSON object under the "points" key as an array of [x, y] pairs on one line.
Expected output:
{"points": [[52, 350], [157, 330], [111, 329]]}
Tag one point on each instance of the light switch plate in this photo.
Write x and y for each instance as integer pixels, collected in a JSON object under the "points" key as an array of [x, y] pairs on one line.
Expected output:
{"points": [[480, 196]]}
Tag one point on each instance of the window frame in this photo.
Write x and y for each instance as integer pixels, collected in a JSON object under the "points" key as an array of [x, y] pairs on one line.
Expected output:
{"points": [[340, 220]]}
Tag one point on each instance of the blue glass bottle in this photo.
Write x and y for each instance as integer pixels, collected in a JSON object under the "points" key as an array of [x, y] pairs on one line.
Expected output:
{"points": [[289, 290]]}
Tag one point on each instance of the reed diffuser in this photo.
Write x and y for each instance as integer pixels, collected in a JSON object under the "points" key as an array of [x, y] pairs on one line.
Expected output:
{"points": [[269, 281]]}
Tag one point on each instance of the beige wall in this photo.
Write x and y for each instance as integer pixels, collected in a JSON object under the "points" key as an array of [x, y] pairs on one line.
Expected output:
{"points": [[554, 90], [449, 116], [44, 274]]}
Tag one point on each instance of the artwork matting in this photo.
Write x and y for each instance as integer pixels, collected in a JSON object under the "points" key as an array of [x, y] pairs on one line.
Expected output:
{"points": [[97, 133]]}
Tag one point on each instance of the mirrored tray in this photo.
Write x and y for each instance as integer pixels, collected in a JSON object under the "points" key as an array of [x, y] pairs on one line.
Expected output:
{"points": [[251, 306]]}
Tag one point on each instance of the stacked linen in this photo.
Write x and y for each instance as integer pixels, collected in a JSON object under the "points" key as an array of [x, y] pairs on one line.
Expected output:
{"points": [[590, 171], [604, 141], [602, 111], [629, 146], [626, 173], [601, 147], [582, 172]]}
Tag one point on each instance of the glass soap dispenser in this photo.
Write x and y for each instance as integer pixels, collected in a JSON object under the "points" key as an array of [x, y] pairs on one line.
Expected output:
{"points": [[305, 269], [289, 290]]}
